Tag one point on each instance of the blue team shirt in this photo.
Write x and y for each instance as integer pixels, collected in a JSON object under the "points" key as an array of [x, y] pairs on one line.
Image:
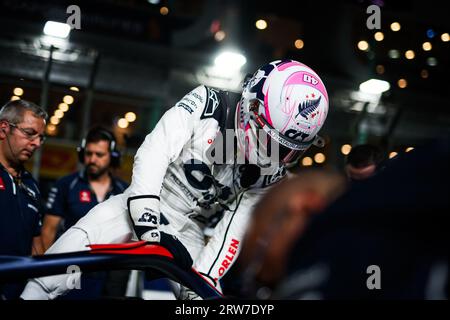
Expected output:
{"points": [[72, 197], [20, 213]]}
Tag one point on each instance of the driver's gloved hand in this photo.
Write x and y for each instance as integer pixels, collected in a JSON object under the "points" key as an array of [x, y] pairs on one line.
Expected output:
{"points": [[177, 249]]}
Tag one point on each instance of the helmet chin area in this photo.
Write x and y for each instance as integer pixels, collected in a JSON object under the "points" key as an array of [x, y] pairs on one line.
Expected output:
{"points": [[288, 156]]}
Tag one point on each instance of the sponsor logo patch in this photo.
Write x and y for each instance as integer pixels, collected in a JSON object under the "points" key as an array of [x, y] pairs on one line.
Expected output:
{"points": [[229, 256], [149, 216], [185, 107], [308, 107], [213, 103], [85, 196]]}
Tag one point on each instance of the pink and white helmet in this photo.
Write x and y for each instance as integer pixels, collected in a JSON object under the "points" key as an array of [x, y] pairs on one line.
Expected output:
{"points": [[289, 102]]}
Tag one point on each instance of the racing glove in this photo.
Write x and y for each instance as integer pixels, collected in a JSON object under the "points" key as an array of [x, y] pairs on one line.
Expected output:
{"points": [[144, 212]]}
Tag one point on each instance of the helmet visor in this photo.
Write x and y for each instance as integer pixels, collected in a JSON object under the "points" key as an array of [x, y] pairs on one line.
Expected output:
{"points": [[288, 149]]}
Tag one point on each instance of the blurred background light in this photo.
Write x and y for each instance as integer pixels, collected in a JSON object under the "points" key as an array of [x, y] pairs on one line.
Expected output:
{"points": [[261, 24], [380, 69], [363, 45], [299, 44], [395, 26], [18, 91], [430, 33], [130, 116], [379, 36], [219, 35], [394, 54], [374, 86], [57, 29], [68, 99], [432, 61], [64, 107], [402, 83], [164, 11], [122, 123], [54, 120], [426, 46], [229, 63], [307, 161], [392, 154], [319, 157], [59, 113], [345, 149], [409, 54], [424, 73]]}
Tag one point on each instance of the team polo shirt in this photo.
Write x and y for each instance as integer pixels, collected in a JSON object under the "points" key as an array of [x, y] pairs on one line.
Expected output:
{"points": [[72, 197], [20, 213]]}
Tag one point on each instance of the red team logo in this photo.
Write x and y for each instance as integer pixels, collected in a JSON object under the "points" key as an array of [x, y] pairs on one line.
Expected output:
{"points": [[229, 257], [2, 185], [85, 196]]}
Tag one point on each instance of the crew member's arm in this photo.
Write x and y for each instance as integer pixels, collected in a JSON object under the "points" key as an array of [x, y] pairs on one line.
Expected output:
{"points": [[161, 147], [49, 229], [37, 247], [55, 212]]}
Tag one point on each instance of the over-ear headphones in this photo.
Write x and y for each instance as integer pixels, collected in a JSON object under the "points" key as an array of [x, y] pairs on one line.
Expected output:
{"points": [[97, 134]]}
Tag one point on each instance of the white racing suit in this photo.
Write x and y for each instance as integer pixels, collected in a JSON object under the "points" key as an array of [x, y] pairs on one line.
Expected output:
{"points": [[183, 189]]}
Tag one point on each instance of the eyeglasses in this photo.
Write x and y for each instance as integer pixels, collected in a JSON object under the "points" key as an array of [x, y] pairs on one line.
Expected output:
{"points": [[30, 134]]}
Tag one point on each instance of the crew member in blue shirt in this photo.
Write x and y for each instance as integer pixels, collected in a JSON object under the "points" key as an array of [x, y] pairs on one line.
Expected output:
{"points": [[74, 195], [22, 126]]}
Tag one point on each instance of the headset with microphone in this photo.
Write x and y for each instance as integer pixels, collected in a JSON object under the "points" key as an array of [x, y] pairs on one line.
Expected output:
{"points": [[104, 135]]}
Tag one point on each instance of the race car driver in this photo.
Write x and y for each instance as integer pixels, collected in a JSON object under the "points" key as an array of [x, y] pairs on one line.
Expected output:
{"points": [[182, 177]]}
